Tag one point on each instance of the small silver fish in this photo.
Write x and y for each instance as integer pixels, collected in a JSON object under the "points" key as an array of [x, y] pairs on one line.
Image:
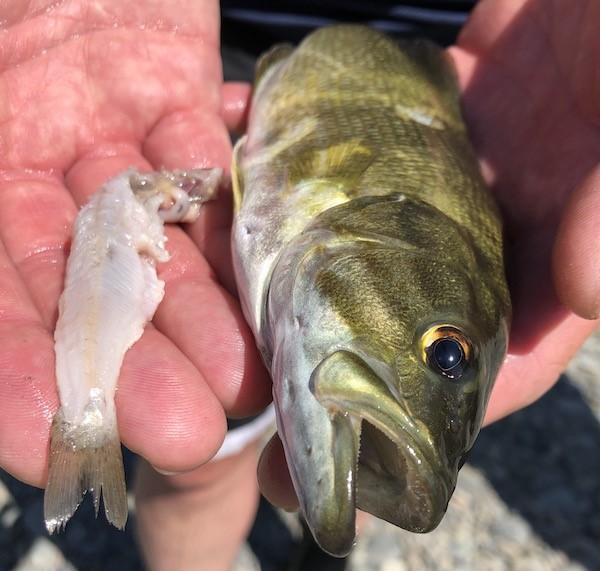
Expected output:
{"points": [[111, 291]]}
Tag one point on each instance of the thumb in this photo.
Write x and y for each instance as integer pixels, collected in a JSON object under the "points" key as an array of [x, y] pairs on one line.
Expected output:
{"points": [[576, 256]]}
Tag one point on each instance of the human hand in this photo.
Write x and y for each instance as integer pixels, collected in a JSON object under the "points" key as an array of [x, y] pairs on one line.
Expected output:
{"points": [[526, 70], [87, 90]]}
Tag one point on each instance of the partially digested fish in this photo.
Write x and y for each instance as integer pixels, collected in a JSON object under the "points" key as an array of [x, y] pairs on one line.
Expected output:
{"points": [[111, 291], [369, 260]]}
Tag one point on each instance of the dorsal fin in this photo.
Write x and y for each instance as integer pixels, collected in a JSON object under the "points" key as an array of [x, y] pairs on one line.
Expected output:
{"points": [[434, 64], [268, 59]]}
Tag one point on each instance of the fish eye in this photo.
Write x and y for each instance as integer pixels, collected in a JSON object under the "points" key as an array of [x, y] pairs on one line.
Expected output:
{"points": [[446, 350], [448, 356]]}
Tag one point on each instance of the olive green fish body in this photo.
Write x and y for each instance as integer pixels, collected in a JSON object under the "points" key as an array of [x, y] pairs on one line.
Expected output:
{"points": [[367, 252]]}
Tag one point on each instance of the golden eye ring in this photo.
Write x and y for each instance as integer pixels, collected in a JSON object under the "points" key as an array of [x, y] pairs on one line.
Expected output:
{"points": [[446, 350]]}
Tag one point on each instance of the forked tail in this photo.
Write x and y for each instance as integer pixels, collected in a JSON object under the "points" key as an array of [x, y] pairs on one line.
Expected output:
{"points": [[82, 460]]}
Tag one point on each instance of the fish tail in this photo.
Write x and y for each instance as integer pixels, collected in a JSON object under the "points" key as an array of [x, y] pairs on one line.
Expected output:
{"points": [[79, 462]]}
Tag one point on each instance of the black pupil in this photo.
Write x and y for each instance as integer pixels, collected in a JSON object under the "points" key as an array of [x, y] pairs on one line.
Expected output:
{"points": [[448, 355]]}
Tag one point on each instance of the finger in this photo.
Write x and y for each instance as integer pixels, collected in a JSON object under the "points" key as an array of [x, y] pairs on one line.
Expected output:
{"points": [[206, 323], [489, 20], [524, 377], [35, 226], [27, 390], [212, 235], [197, 139], [166, 411], [219, 498], [236, 102], [576, 256], [201, 317], [274, 477], [197, 135]]}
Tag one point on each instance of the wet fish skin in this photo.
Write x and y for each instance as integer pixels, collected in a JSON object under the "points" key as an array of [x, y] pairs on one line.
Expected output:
{"points": [[363, 229], [111, 291]]}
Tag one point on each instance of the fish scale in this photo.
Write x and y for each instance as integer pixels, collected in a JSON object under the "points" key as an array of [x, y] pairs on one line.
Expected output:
{"points": [[363, 237]]}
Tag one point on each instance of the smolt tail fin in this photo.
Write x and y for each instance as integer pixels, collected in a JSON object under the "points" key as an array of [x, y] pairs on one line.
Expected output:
{"points": [[80, 462]]}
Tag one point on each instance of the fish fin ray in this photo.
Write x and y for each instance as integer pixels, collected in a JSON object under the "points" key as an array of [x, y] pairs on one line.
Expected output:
{"points": [[434, 65], [78, 468], [237, 182], [265, 62]]}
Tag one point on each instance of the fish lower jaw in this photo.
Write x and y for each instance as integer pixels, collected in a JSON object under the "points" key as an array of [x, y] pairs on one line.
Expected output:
{"points": [[398, 474], [397, 482], [388, 478], [370, 454]]}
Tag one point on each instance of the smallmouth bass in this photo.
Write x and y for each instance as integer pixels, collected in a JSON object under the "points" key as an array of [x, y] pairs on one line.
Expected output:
{"points": [[369, 260]]}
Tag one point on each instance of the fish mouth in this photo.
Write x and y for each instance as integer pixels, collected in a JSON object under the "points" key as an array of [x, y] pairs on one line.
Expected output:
{"points": [[390, 469], [398, 482]]}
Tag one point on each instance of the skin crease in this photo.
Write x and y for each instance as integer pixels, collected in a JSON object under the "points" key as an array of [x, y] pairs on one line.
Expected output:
{"points": [[87, 90]]}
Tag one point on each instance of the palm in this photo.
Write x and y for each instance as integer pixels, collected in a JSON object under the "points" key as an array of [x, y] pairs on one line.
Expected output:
{"points": [[100, 88], [531, 109]]}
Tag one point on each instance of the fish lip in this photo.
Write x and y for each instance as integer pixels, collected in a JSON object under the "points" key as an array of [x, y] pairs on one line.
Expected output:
{"points": [[335, 535], [423, 466], [344, 382]]}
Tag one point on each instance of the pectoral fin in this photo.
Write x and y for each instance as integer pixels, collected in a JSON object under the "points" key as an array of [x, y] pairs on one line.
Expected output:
{"points": [[339, 165], [237, 181]]}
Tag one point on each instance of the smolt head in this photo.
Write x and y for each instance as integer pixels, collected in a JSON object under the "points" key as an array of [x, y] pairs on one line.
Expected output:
{"points": [[389, 325]]}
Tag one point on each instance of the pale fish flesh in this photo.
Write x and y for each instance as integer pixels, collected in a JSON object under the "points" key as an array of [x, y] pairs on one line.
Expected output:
{"points": [[111, 291]]}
